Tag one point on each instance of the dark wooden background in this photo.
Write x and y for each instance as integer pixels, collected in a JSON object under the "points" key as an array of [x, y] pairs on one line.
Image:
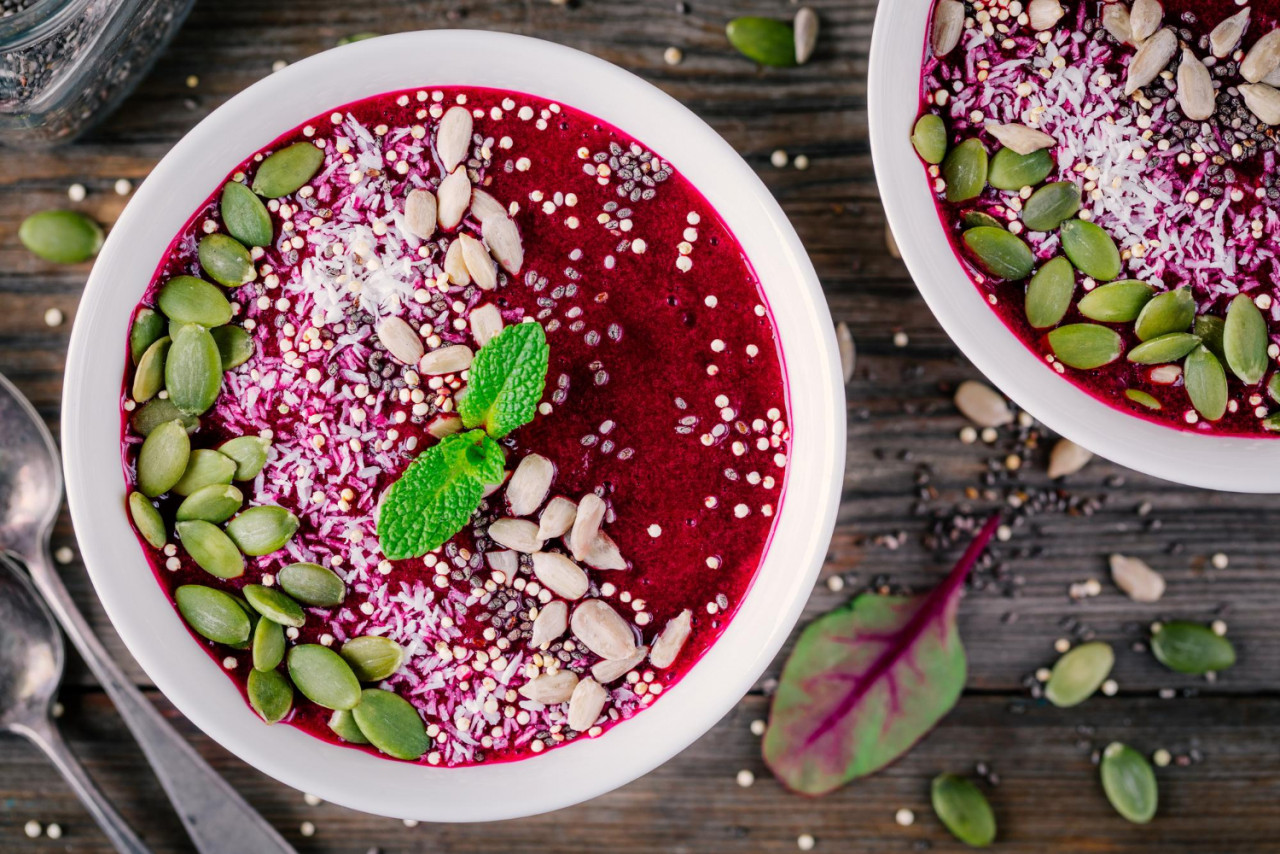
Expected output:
{"points": [[1224, 798]]}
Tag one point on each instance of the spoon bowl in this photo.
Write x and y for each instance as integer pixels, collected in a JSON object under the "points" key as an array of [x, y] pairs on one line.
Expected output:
{"points": [[30, 476], [31, 652]]}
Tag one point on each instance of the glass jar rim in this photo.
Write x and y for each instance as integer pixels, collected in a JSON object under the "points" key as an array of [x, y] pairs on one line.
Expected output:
{"points": [[37, 21]]}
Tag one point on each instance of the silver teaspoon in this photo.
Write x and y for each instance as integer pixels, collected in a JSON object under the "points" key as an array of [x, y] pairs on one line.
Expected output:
{"points": [[217, 819]]}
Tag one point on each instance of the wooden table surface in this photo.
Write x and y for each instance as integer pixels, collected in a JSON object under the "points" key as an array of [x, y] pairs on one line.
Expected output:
{"points": [[1219, 795]]}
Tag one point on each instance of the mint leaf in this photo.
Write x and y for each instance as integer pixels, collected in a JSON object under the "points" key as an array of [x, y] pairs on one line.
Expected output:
{"points": [[438, 494], [507, 379]]}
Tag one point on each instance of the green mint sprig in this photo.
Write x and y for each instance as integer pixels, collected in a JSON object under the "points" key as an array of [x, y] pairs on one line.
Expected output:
{"points": [[508, 376]]}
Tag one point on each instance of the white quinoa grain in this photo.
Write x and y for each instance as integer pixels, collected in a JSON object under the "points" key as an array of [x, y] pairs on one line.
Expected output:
{"points": [[1110, 688], [805, 842], [123, 187], [64, 555], [53, 831], [901, 339], [1219, 627], [672, 56], [1220, 561], [307, 829], [779, 158], [758, 727], [801, 162], [1161, 758], [746, 778], [33, 829], [904, 817], [76, 192]]}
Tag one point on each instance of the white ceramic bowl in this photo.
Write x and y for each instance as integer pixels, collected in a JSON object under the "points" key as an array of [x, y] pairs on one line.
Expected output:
{"points": [[1227, 463], [138, 607]]}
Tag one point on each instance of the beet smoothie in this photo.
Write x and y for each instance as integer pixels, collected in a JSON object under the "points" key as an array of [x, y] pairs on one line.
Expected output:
{"points": [[665, 404], [1147, 111]]}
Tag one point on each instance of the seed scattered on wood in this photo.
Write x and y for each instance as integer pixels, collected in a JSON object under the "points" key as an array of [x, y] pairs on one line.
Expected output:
{"points": [[1225, 36], [1019, 138], [848, 350], [1152, 58], [982, 404], [1067, 458], [806, 32], [1145, 18], [1044, 14], [400, 340], [1140, 582], [948, 26]]}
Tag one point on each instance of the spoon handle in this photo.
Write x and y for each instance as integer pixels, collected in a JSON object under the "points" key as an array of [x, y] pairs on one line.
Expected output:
{"points": [[217, 819], [46, 736]]}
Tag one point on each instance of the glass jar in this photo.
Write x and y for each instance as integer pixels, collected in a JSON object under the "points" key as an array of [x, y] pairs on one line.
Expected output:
{"points": [[65, 64]]}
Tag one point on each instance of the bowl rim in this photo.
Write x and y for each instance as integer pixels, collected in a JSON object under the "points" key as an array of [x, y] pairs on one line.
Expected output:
{"points": [[1227, 463], [139, 609]]}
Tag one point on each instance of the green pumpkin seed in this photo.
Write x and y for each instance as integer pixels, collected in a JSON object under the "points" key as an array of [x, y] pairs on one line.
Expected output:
{"points": [[268, 645], [148, 328], [1129, 782], [1206, 383], [964, 810], [344, 726], [262, 530], [148, 379], [1164, 349], [148, 521], [212, 614], [1049, 293], [1273, 388], [249, 453], [187, 299], [974, 219], [1191, 648], [254, 619], [1079, 673], [1012, 171], [1051, 206], [244, 215], [312, 585], [235, 346], [1118, 302], [372, 658], [391, 724], [357, 37], [764, 40], [323, 677], [225, 260], [965, 171], [215, 503], [930, 138], [193, 370], [1272, 423], [1143, 399], [1171, 311], [159, 411], [285, 171], [1003, 255], [274, 605], [163, 458], [1085, 345], [204, 468], [270, 694], [1091, 249], [1211, 329], [1245, 339], [63, 237], [211, 549]]}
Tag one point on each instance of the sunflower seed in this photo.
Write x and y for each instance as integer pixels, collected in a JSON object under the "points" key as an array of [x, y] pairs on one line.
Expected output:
{"points": [[486, 322], [484, 206], [211, 549], [312, 584], [149, 377], [1115, 20], [1263, 101], [1139, 582], [585, 704], [454, 266], [604, 554], [560, 575], [323, 677], [1067, 458], [982, 405], [453, 137], [1085, 346], [961, 806], [1224, 37], [519, 535], [550, 624], [1079, 673], [550, 688], [287, 170], [557, 518], [1044, 14], [163, 458], [263, 529], [1049, 293], [420, 213], [147, 519], [1020, 138], [213, 614], [480, 265], [270, 694], [1191, 648], [452, 359], [948, 26], [391, 724], [372, 658], [400, 340], [929, 138], [204, 468], [530, 484], [452, 198], [1206, 383], [1129, 783], [671, 641], [1196, 95], [602, 631], [1263, 58], [586, 524], [1117, 302], [1051, 205], [806, 32], [848, 351], [1152, 58], [1090, 249], [1145, 18], [1166, 375], [1000, 253], [607, 671], [1164, 349], [503, 239], [965, 170]]}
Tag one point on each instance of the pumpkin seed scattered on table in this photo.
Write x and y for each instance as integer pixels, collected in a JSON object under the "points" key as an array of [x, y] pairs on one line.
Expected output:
{"points": [[157, 411], [163, 458], [274, 605], [211, 549], [1129, 782], [1117, 302], [244, 215], [1085, 346], [323, 677], [268, 645], [1142, 398], [344, 726], [391, 724], [1206, 383], [1164, 349], [1000, 253], [1191, 648], [965, 171], [287, 170], [1051, 206], [1171, 311], [63, 237], [372, 658], [187, 299], [148, 379], [214, 503], [204, 468], [262, 530], [765, 40], [961, 806], [1079, 673], [235, 345], [1090, 249], [1049, 293], [270, 694], [148, 521], [148, 327], [1011, 171], [193, 370], [1245, 339], [225, 260], [312, 584], [930, 138], [212, 614], [249, 454]]}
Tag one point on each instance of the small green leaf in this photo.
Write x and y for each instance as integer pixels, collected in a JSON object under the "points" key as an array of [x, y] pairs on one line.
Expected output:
{"points": [[1129, 782], [1245, 339], [63, 237], [930, 138], [765, 40], [1049, 293], [1000, 253], [287, 170], [1011, 171], [1206, 383], [1085, 346], [508, 376], [1090, 249], [965, 171], [1118, 302], [244, 215]]}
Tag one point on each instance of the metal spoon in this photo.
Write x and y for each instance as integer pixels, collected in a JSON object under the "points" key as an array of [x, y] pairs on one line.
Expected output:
{"points": [[31, 658], [216, 818]]}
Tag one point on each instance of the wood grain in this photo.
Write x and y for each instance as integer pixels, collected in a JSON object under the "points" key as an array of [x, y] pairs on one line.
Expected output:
{"points": [[901, 422]]}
